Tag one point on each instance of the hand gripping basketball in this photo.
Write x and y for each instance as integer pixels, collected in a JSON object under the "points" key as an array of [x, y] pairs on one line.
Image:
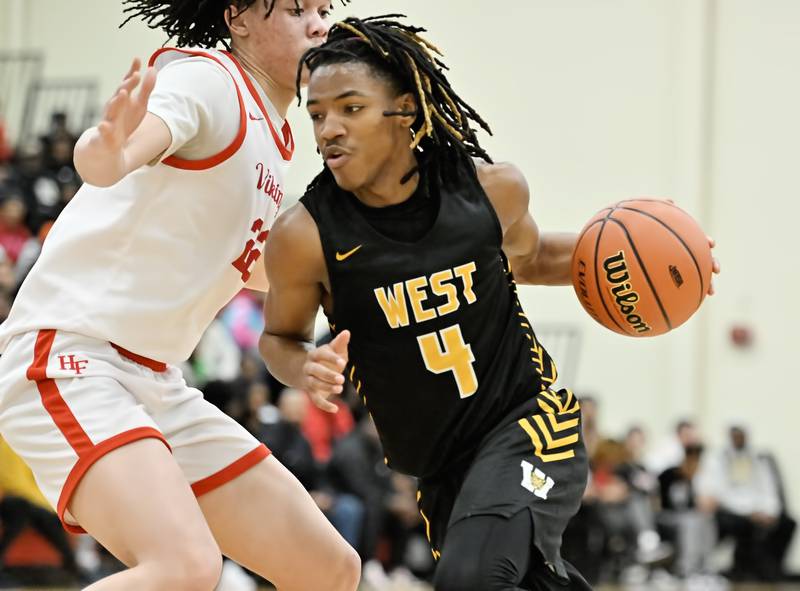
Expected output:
{"points": [[322, 371]]}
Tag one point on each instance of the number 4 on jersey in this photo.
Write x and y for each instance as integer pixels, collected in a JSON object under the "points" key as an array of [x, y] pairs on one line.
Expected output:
{"points": [[455, 356]]}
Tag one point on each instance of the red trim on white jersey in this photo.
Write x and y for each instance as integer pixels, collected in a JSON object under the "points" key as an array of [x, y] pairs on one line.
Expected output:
{"points": [[285, 145], [234, 146]]}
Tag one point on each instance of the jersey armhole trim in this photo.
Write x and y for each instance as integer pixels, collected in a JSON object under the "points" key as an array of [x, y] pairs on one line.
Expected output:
{"points": [[488, 203], [233, 147], [328, 257], [285, 144]]}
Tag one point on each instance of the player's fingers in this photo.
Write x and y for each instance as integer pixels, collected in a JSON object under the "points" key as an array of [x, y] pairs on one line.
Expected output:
{"points": [[106, 135], [328, 356], [135, 65], [324, 374], [130, 83], [148, 83], [115, 107], [105, 130], [322, 403], [715, 266], [314, 384], [711, 242], [711, 290], [339, 344]]}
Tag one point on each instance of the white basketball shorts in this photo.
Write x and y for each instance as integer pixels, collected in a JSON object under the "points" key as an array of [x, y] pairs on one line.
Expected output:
{"points": [[66, 400]]}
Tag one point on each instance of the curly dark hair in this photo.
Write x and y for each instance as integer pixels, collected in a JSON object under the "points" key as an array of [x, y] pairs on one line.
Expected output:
{"points": [[396, 52], [199, 23]]}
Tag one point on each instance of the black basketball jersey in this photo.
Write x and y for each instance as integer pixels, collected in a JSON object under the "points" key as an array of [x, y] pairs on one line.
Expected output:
{"points": [[440, 348]]}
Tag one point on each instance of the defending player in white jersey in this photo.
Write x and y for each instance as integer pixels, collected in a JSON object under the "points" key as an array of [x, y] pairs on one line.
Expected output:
{"points": [[184, 178]]}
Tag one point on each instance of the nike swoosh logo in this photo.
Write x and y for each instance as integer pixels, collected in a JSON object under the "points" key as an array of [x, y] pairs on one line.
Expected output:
{"points": [[253, 118], [344, 256]]}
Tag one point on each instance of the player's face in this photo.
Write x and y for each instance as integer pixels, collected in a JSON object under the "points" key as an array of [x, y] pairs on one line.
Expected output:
{"points": [[358, 142], [277, 43]]}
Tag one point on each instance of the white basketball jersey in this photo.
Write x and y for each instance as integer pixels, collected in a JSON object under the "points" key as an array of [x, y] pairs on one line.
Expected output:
{"points": [[147, 263]]}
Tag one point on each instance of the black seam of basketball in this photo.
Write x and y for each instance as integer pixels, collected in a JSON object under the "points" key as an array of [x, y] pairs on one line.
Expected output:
{"points": [[597, 275], [644, 270], [586, 229], [686, 246], [583, 235]]}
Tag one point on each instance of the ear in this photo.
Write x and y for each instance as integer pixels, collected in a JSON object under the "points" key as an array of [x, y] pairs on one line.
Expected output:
{"points": [[406, 103], [236, 21]]}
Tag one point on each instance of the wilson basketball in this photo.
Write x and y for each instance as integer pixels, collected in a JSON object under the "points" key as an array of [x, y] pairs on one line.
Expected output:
{"points": [[642, 267]]}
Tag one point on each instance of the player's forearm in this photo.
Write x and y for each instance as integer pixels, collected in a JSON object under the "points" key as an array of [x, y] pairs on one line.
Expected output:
{"points": [[101, 168], [102, 163], [552, 263], [285, 358]]}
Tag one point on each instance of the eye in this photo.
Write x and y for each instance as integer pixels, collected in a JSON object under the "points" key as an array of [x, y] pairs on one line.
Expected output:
{"points": [[324, 13], [296, 11], [315, 116], [353, 108]]}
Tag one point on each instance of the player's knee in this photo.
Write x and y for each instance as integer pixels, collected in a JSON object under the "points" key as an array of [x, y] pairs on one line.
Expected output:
{"points": [[348, 571], [193, 569]]}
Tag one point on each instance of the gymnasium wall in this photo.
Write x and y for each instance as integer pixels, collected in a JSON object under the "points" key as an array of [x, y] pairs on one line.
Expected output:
{"points": [[597, 101]]}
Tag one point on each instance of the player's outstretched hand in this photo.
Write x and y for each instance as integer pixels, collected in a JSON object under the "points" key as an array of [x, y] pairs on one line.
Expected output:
{"points": [[100, 152], [714, 266], [323, 369], [125, 110]]}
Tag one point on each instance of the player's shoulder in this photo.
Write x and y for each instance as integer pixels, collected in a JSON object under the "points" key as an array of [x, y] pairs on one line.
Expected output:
{"points": [[501, 176], [198, 74], [294, 223], [507, 189], [294, 242], [195, 60]]}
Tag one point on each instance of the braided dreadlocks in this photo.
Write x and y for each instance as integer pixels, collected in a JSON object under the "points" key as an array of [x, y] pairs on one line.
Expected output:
{"points": [[396, 52], [198, 23]]}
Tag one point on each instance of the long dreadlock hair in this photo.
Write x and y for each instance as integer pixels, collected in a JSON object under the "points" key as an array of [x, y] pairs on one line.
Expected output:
{"points": [[199, 23], [442, 132]]}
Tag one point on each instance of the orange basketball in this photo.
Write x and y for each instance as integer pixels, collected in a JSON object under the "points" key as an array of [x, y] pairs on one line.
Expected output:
{"points": [[642, 267]]}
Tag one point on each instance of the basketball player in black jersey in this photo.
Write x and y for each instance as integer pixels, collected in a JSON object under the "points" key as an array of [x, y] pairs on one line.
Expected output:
{"points": [[405, 241]]}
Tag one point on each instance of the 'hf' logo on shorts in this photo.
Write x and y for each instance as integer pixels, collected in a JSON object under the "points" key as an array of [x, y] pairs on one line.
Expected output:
{"points": [[535, 480], [69, 363]]}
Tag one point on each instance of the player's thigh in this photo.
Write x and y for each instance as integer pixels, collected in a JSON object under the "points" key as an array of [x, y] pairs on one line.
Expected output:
{"points": [[486, 553], [259, 513], [266, 521], [136, 502]]}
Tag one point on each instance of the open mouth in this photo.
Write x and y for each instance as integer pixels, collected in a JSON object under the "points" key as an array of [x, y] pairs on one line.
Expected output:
{"points": [[336, 157]]}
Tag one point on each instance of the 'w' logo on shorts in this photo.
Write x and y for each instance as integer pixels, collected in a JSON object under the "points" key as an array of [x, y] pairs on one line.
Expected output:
{"points": [[69, 363], [535, 480]]}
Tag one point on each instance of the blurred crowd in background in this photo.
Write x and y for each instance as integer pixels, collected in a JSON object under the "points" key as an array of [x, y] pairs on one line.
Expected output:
{"points": [[660, 509]]}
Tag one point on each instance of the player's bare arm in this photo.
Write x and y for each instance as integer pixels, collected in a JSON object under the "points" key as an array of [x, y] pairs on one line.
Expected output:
{"points": [[297, 277], [127, 137], [537, 258], [258, 279]]}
